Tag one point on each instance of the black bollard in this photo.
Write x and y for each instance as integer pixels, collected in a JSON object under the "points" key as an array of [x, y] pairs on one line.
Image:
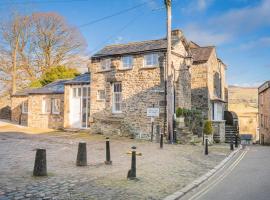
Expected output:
{"points": [[40, 168], [108, 152], [82, 154], [236, 141], [231, 145], [206, 147], [161, 140], [132, 172]]}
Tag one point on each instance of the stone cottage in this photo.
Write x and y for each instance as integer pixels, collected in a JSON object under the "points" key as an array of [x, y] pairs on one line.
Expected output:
{"points": [[264, 112], [128, 86], [49, 106], [208, 86]]}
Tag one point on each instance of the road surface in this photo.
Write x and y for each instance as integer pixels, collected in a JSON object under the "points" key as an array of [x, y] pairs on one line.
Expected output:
{"points": [[246, 177]]}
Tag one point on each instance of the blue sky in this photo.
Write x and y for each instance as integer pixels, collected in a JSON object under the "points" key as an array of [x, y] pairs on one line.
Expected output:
{"points": [[240, 29]]}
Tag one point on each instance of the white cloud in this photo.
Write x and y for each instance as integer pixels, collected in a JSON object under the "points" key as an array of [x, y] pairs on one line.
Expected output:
{"points": [[261, 43], [205, 36], [253, 84], [244, 19], [196, 6], [233, 23]]}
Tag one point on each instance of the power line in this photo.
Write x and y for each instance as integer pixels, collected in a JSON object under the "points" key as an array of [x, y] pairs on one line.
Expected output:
{"points": [[123, 28], [114, 14]]}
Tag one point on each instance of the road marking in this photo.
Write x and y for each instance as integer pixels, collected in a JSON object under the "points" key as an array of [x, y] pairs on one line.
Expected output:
{"points": [[219, 179]]}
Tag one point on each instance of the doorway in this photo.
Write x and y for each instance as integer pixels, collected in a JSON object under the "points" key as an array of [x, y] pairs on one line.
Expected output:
{"points": [[79, 106]]}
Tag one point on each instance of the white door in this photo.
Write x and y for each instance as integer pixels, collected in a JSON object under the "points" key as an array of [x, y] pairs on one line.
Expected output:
{"points": [[75, 107], [79, 107]]}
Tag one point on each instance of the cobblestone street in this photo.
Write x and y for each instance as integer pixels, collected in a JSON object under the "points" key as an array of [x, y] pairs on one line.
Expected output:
{"points": [[160, 172]]}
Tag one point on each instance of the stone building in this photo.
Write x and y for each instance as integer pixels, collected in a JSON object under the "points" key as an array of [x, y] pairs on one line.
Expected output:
{"points": [[52, 105], [244, 102], [264, 112], [208, 86], [128, 80]]}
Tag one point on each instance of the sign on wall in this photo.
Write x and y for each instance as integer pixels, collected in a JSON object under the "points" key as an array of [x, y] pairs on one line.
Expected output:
{"points": [[152, 112]]}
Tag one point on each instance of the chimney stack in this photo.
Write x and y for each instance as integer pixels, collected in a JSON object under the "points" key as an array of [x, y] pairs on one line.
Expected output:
{"points": [[176, 34]]}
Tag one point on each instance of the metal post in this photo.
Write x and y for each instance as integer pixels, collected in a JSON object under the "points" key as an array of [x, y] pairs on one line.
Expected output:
{"points": [[152, 130], [108, 152], [161, 140], [132, 171], [236, 141], [231, 145], [206, 147]]}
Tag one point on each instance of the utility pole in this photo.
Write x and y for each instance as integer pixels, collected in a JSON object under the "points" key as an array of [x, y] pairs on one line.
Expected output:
{"points": [[168, 76]]}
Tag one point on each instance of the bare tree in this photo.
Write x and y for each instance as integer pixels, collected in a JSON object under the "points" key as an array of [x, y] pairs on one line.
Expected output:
{"points": [[30, 45], [55, 42], [13, 38]]}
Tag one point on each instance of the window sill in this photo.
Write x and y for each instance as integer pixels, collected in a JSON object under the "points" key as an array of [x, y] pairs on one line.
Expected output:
{"points": [[117, 113], [125, 69], [150, 67]]}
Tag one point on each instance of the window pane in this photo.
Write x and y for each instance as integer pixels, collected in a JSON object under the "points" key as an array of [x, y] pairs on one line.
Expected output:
{"points": [[127, 61], [84, 92], [79, 92], [117, 97], [74, 92]]}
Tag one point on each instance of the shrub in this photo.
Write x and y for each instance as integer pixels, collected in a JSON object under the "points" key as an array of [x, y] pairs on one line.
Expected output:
{"points": [[208, 129], [179, 112], [53, 74]]}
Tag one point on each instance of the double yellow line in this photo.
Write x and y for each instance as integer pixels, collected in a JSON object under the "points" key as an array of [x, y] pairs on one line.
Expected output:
{"points": [[220, 178]]}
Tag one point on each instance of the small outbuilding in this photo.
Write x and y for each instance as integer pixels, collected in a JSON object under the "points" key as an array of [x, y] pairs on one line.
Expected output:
{"points": [[53, 105]]}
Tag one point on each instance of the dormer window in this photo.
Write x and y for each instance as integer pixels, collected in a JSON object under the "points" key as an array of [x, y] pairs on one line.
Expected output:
{"points": [[106, 64], [127, 62], [151, 60]]}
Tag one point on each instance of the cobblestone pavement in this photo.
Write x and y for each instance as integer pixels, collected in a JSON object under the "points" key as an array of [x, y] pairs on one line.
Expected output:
{"points": [[160, 172]]}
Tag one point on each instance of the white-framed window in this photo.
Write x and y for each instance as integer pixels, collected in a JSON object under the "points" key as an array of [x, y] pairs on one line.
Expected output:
{"points": [[25, 107], [76, 92], [217, 111], [46, 105], [55, 106], [106, 64], [101, 95], [151, 60], [117, 97], [127, 62]]}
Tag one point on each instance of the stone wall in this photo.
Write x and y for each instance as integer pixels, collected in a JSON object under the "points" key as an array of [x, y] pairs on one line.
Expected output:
{"points": [[142, 88], [207, 83], [219, 131], [16, 110], [199, 88], [66, 106], [244, 102], [264, 115], [5, 107], [38, 119]]}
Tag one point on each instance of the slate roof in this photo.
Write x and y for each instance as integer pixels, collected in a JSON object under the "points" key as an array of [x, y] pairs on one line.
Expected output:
{"points": [[81, 79], [133, 47], [201, 54], [56, 87]]}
